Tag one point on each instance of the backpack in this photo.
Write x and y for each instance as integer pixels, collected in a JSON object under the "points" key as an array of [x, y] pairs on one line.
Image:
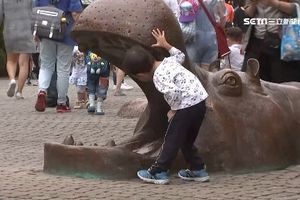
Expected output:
{"points": [[49, 22]]}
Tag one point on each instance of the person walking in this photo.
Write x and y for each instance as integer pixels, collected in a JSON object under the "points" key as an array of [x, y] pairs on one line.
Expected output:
{"points": [[263, 41], [57, 53], [18, 42]]}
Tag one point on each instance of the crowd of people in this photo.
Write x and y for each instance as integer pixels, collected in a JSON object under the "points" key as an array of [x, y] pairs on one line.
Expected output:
{"points": [[54, 60], [181, 89]]}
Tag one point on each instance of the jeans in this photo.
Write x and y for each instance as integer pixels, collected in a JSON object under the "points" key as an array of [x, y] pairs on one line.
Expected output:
{"points": [[98, 83], [51, 53], [203, 49]]}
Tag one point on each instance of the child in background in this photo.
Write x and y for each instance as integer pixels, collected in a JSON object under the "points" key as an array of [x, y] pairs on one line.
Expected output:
{"points": [[79, 78], [236, 57], [186, 96], [97, 81]]}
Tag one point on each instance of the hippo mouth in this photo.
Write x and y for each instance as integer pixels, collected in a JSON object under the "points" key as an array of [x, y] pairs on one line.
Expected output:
{"points": [[111, 46]]}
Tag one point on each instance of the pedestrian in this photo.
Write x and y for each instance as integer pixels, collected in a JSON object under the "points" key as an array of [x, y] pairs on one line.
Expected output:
{"points": [[79, 78], [120, 83], [57, 54], [18, 41], [202, 48], [186, 96], [118, 74], [98, 70], [262, 41]]}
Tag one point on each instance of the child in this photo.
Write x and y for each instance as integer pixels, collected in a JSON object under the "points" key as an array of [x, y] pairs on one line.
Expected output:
{"points": [[186, 96], [98, 78], [79, 78], [236, 57]]}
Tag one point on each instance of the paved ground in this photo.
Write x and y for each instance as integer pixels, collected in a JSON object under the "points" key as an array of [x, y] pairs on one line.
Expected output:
{"points": [[24, 131]]}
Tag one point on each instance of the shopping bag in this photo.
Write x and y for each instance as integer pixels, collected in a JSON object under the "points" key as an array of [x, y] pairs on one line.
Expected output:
{"points": [[290, 42]]}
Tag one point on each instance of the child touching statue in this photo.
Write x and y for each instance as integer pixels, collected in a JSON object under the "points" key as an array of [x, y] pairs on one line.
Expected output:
{"points": [[186, 96]]}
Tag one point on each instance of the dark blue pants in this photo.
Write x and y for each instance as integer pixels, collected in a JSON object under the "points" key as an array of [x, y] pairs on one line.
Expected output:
{"points": [[181, 134]]}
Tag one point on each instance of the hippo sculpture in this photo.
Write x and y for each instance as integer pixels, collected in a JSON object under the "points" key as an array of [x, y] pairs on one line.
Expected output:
{"points": [[249, 125]]}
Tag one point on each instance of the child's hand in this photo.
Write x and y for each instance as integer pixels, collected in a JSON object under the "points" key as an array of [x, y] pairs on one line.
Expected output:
{"points": [[160, 39]]}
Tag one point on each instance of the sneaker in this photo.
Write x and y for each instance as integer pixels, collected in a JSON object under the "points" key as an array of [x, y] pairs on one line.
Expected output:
{"points": [[40, 104], [19, 96], [158, 178], [125, 86], [99, 109], [196, 175], [62, 108], [11, 88], [119, 93]]}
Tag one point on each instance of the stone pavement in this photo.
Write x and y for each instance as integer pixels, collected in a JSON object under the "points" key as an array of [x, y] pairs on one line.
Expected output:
{"points": [[24, 131]]}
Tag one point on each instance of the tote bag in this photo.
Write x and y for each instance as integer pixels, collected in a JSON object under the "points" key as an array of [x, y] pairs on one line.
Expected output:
{"points": [[290, 42]]}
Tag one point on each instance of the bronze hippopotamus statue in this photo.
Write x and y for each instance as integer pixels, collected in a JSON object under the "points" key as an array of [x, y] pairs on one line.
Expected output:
{"points": [[249, 125]]}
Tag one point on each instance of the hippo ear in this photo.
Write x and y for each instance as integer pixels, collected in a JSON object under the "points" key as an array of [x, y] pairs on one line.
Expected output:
{"points": [[253, 67], [214, 66]]}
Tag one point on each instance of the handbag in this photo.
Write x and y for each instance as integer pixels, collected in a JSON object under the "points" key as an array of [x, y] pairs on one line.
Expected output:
{"points": [[223, 49], [49, 22], [290, 42]]}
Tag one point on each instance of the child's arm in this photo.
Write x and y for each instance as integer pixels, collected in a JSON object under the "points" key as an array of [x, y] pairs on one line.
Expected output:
{"points": [[162, 42]]}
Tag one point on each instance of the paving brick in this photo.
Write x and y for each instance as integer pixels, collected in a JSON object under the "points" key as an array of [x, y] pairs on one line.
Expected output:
{"points": [[24, 131]]}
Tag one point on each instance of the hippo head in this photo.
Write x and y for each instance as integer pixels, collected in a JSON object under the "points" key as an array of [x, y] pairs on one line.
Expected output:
{"points": [[111, 28], [249, 124]]}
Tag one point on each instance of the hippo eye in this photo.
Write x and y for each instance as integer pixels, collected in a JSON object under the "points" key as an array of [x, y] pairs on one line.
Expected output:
{"points": [[229, 79]]}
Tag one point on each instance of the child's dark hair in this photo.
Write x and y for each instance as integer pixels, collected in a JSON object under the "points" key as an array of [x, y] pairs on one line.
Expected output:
{"points": [[234, 33], [138, 60]]}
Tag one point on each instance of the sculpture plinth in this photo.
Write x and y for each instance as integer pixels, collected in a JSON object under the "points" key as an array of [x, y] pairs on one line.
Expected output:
{"points": [[249, 125]]}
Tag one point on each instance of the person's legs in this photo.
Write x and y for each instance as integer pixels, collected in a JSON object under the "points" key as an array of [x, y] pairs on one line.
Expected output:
{"points": [[120, 78], [188, 149], [92, 83], [204, 49], [64, 59], [101, 94], [52, 91], [81, 97], [11, 67], [102, 89], [175, 136], [48, 52], [253, 51], [196, 171], [35, 59], [48, 59], [23, 72]]}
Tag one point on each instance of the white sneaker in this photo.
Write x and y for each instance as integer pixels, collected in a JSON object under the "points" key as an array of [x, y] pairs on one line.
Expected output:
{"points": [[125, 86], [19, 95], [11, 88]]}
